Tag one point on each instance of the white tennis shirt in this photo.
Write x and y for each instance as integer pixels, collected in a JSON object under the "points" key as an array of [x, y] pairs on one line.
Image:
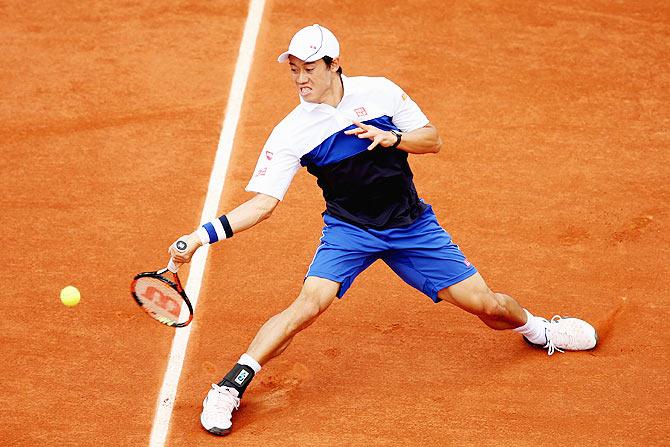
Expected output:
{"points": [[367, 188]]}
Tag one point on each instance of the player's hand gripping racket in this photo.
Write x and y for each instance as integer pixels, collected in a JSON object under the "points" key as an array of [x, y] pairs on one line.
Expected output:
{"points": [[161, 297]]}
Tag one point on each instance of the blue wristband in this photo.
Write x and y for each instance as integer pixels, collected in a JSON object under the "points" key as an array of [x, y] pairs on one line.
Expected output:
{"points": [[215, 230]]}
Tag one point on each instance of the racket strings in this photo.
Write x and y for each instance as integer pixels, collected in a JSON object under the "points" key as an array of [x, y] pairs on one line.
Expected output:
{"points": [[158, 298]]}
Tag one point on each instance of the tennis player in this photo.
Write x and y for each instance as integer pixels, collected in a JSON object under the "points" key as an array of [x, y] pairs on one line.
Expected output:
{"points": [[354, 134]]}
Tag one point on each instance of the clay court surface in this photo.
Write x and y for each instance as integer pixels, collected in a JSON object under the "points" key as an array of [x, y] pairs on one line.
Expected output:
{"points": [[553, 180]]}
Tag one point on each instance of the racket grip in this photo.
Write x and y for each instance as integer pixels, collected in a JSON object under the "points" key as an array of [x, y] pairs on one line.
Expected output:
{"points": [[172, 266]]}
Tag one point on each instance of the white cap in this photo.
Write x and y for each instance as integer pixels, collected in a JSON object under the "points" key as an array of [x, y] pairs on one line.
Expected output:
{"points": [[311, 44]]}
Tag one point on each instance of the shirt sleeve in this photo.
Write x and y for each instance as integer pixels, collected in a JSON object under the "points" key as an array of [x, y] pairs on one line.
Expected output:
{"points": [[407, 116], [274, 170]]}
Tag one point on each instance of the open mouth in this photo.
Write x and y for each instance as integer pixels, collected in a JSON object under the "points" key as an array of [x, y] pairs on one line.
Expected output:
{"points": [[304, 91]]}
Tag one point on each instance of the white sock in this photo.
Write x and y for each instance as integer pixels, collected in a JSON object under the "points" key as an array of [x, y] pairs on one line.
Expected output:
{"points": [[534, 329], [249, 361]]}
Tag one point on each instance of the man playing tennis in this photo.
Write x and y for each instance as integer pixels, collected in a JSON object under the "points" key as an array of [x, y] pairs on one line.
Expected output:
{"points": [[354, 134]]}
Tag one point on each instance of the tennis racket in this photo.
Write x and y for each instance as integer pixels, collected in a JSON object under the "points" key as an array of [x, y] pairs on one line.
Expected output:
{"points": [[161, 297]]}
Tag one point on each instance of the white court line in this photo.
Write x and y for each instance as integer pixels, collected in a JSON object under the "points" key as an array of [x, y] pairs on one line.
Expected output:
{"points": [[168, 392]]}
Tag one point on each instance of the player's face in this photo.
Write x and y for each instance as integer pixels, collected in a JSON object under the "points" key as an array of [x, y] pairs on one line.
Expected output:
{"points": [[312, 79]]}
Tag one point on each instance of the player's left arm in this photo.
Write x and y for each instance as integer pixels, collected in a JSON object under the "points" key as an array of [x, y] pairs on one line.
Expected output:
{"points": [[424, 140]]}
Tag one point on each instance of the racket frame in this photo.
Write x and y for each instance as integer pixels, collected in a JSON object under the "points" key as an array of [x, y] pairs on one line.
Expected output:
{"points": [[173, 284]]}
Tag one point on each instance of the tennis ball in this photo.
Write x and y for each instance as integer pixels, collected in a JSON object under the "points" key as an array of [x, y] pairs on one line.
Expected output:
{"points": [[70, 296]]}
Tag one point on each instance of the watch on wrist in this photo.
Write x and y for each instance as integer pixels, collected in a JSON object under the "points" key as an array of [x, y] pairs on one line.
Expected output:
{"points": [[398, 136]]}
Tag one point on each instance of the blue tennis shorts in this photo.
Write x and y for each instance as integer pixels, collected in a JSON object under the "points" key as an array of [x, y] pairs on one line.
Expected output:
{"points": [[422, 254]]}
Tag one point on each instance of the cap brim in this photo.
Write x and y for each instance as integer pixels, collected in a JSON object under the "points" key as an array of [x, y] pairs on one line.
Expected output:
{"points": [[309, 58], [283, 57]]}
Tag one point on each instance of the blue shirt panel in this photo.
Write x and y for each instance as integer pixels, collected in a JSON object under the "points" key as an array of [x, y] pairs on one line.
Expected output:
{"points": [[370, 189], [339, 146]]}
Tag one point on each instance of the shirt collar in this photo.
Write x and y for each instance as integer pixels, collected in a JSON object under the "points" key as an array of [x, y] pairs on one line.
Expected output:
{"points": [[346, 87], [308, 106]]}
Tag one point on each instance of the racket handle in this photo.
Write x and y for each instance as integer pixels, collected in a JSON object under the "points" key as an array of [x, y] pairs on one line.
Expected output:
{"points": [[180, 246], [172, 266]]}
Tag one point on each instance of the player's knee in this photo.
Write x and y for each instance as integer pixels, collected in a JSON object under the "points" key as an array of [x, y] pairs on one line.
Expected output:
{"points": [[309, 308], [304, 310]]}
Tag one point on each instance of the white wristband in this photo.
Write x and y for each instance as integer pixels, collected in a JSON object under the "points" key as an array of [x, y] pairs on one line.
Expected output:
{"points": [[248, 360], [202, 235]]}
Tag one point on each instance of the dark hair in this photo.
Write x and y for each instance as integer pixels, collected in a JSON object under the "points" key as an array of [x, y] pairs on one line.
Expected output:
{"points": [[329, 61]]}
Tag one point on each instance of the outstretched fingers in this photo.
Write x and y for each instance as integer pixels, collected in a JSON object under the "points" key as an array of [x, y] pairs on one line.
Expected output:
{"points": [[368, 131], [377, 139], [360, 128]]}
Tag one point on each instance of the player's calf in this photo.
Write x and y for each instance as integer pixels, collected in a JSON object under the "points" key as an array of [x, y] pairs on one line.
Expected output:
{"points": [[496, 310], [500, 311]]}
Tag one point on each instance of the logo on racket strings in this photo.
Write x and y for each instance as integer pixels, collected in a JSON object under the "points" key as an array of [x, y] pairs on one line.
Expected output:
{"points": [[161, 300], [181, 245]]}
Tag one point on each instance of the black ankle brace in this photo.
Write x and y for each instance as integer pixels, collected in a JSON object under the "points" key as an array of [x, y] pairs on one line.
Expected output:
{"points": [[239, 378]]}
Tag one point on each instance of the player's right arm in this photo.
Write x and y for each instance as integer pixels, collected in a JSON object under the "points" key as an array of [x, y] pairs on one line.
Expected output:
{"points": [[276, 166], [252, 212], [245, 216]]}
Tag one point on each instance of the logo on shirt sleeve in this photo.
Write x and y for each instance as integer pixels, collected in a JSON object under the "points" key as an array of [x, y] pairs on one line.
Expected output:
{"points": [[261, 172], [404, 97], [269, 155]]}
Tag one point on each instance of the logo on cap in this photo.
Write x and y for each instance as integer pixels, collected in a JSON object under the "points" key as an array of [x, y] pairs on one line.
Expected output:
{"points": [[312, 43]]}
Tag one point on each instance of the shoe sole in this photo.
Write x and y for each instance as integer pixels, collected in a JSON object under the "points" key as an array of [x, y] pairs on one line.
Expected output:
{"points": [[215, 430], [218, 431], [534, 345]]}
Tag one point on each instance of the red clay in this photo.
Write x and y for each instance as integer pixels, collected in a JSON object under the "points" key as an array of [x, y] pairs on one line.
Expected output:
{"points": [[553, 180]]}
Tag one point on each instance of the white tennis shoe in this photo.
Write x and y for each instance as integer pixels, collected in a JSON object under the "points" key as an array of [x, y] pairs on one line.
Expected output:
{"points": [[217, 409], [568, 334]]}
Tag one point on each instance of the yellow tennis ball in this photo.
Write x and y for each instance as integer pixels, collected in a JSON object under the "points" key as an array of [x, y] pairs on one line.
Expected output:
{"points": [[70, 296]]}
